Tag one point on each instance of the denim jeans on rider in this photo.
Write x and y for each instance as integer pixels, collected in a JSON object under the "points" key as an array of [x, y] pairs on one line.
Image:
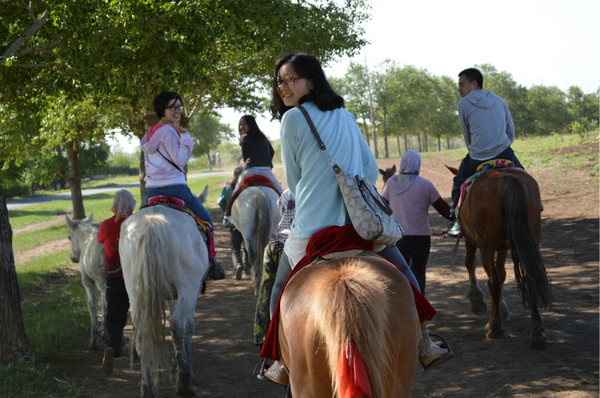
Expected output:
{"points": [[182, 192]]}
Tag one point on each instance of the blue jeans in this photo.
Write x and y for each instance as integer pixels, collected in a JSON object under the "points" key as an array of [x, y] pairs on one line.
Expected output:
{"points": [[468, 167], [182, 192]]}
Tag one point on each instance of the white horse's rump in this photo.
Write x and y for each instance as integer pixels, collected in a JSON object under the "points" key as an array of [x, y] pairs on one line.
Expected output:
{"points": [[255, 214], [164, 260], [89, 253]]}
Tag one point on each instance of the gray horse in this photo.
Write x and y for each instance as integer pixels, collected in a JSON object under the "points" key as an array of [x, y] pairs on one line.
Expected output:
{"points": [[89, 253], [255, 214]]}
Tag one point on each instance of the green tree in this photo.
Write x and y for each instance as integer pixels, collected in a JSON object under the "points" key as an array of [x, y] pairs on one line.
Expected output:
{"points": [[549, 109], [354, 89], [124, 52]]}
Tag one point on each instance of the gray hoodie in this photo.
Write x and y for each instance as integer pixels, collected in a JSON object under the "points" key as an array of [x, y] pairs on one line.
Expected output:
{"points": [[486, 124]]}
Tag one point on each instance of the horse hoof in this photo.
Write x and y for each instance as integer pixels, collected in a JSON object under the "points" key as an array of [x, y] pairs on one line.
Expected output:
{"points": [[478, 307], [493, 333], [475, 297], [185, 391], [238, 273], [537, 342]]}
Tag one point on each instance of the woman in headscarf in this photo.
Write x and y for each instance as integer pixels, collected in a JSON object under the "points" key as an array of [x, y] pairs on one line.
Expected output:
{"points": [[410, 196]]}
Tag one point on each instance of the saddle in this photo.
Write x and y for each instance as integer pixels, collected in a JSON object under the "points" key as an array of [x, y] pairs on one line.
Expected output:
{"points": [[175, 203], [251, 181]]}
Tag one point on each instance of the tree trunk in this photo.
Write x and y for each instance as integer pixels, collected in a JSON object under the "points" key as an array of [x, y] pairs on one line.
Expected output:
{"points": [[372, 107], [425, 146], [405, 143], [420, 143], [385, 135], [398, 145], [75, 181], [439, 141], [14, 345], [366, 130], [142, 176]]}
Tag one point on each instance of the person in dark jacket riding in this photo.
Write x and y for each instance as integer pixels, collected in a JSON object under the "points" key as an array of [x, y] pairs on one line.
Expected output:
{"points": [[257, 152]]}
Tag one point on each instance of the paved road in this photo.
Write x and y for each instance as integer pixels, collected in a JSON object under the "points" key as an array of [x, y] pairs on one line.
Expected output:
{"points": [[33, 200]]}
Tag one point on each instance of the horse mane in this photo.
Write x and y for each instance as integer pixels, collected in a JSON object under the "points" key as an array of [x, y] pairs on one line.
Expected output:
{"points": [[346, 305]]}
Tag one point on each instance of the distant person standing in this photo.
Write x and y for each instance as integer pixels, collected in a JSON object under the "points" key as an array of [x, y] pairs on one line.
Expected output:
{"points": [[410, 196], [487, 128]]}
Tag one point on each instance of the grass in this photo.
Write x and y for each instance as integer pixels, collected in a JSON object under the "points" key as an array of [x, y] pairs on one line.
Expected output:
{"points": [[34, 273], [58, 323]]}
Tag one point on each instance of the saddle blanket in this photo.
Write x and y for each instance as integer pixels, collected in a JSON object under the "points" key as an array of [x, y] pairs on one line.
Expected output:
{"points": [[178, 204], [483, 167], [251, 180]]}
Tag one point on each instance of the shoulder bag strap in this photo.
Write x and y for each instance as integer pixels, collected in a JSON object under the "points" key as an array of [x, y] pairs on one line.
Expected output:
{"points": [[168, 160], [313, 128]]}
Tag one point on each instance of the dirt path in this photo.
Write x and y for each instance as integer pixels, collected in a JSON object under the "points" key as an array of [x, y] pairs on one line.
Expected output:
{"points": [[224, 354]]}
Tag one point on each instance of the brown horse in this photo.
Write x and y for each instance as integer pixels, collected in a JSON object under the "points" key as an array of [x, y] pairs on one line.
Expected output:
{"points": [[363, 299], [501, 210]]}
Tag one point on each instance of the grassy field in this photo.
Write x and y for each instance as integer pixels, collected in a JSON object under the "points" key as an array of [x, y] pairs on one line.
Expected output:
{"points": [[58, 322]]}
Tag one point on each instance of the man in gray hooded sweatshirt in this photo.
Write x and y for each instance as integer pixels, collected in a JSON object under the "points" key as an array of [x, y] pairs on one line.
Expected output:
{"points": [[487, 128]]}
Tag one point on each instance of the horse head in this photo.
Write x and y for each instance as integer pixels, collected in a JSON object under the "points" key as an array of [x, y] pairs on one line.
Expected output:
{"points": [[387, 173], [78, 235]]}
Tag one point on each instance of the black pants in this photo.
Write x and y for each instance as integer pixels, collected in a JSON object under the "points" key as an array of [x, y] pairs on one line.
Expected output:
{"points": [[117, 305], [238, 255], [415, 250]]}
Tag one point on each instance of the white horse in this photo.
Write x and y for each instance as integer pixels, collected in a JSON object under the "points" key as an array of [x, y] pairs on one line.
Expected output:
{"points": [[255, 214], [89, 253], [164, 260]]}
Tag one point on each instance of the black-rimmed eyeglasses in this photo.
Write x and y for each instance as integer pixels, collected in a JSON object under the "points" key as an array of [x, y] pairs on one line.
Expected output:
{"points": [[288, 81]]}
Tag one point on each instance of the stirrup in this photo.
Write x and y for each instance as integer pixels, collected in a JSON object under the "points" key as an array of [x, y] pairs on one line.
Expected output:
{"points": [[442, 358]]}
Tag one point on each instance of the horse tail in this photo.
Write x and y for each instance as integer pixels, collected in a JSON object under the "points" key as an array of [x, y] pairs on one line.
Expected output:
{"points": [[151, 290], [530, 272], [351, 303], [263, 234]]}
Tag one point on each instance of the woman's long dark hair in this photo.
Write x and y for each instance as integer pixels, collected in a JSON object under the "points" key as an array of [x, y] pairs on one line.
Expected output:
{"points": [[321, 94], [254, 132]]}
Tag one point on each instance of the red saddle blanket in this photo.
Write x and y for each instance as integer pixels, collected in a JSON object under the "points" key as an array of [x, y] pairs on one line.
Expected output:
{"points": [[251, 180], [330, 240], [179, 204]]}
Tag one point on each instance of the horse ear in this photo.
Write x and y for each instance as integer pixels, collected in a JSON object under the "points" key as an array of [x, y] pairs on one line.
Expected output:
{"points": [[69, 222], [90, 218], [202, 197], [452, 170], [382, 172], [394, 169]]}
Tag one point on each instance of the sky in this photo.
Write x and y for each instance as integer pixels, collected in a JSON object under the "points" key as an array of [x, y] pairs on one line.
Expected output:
{"points": [[538, 42]]}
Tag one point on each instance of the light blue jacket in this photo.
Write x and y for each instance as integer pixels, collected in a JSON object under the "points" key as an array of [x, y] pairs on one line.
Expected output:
{"points": [[311, 180], [486, 124]]}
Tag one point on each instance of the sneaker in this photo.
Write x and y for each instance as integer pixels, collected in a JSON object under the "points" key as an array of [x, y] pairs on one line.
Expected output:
{"points": [[277, 373], [107, 361], [435, 356], [454, 230]]}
